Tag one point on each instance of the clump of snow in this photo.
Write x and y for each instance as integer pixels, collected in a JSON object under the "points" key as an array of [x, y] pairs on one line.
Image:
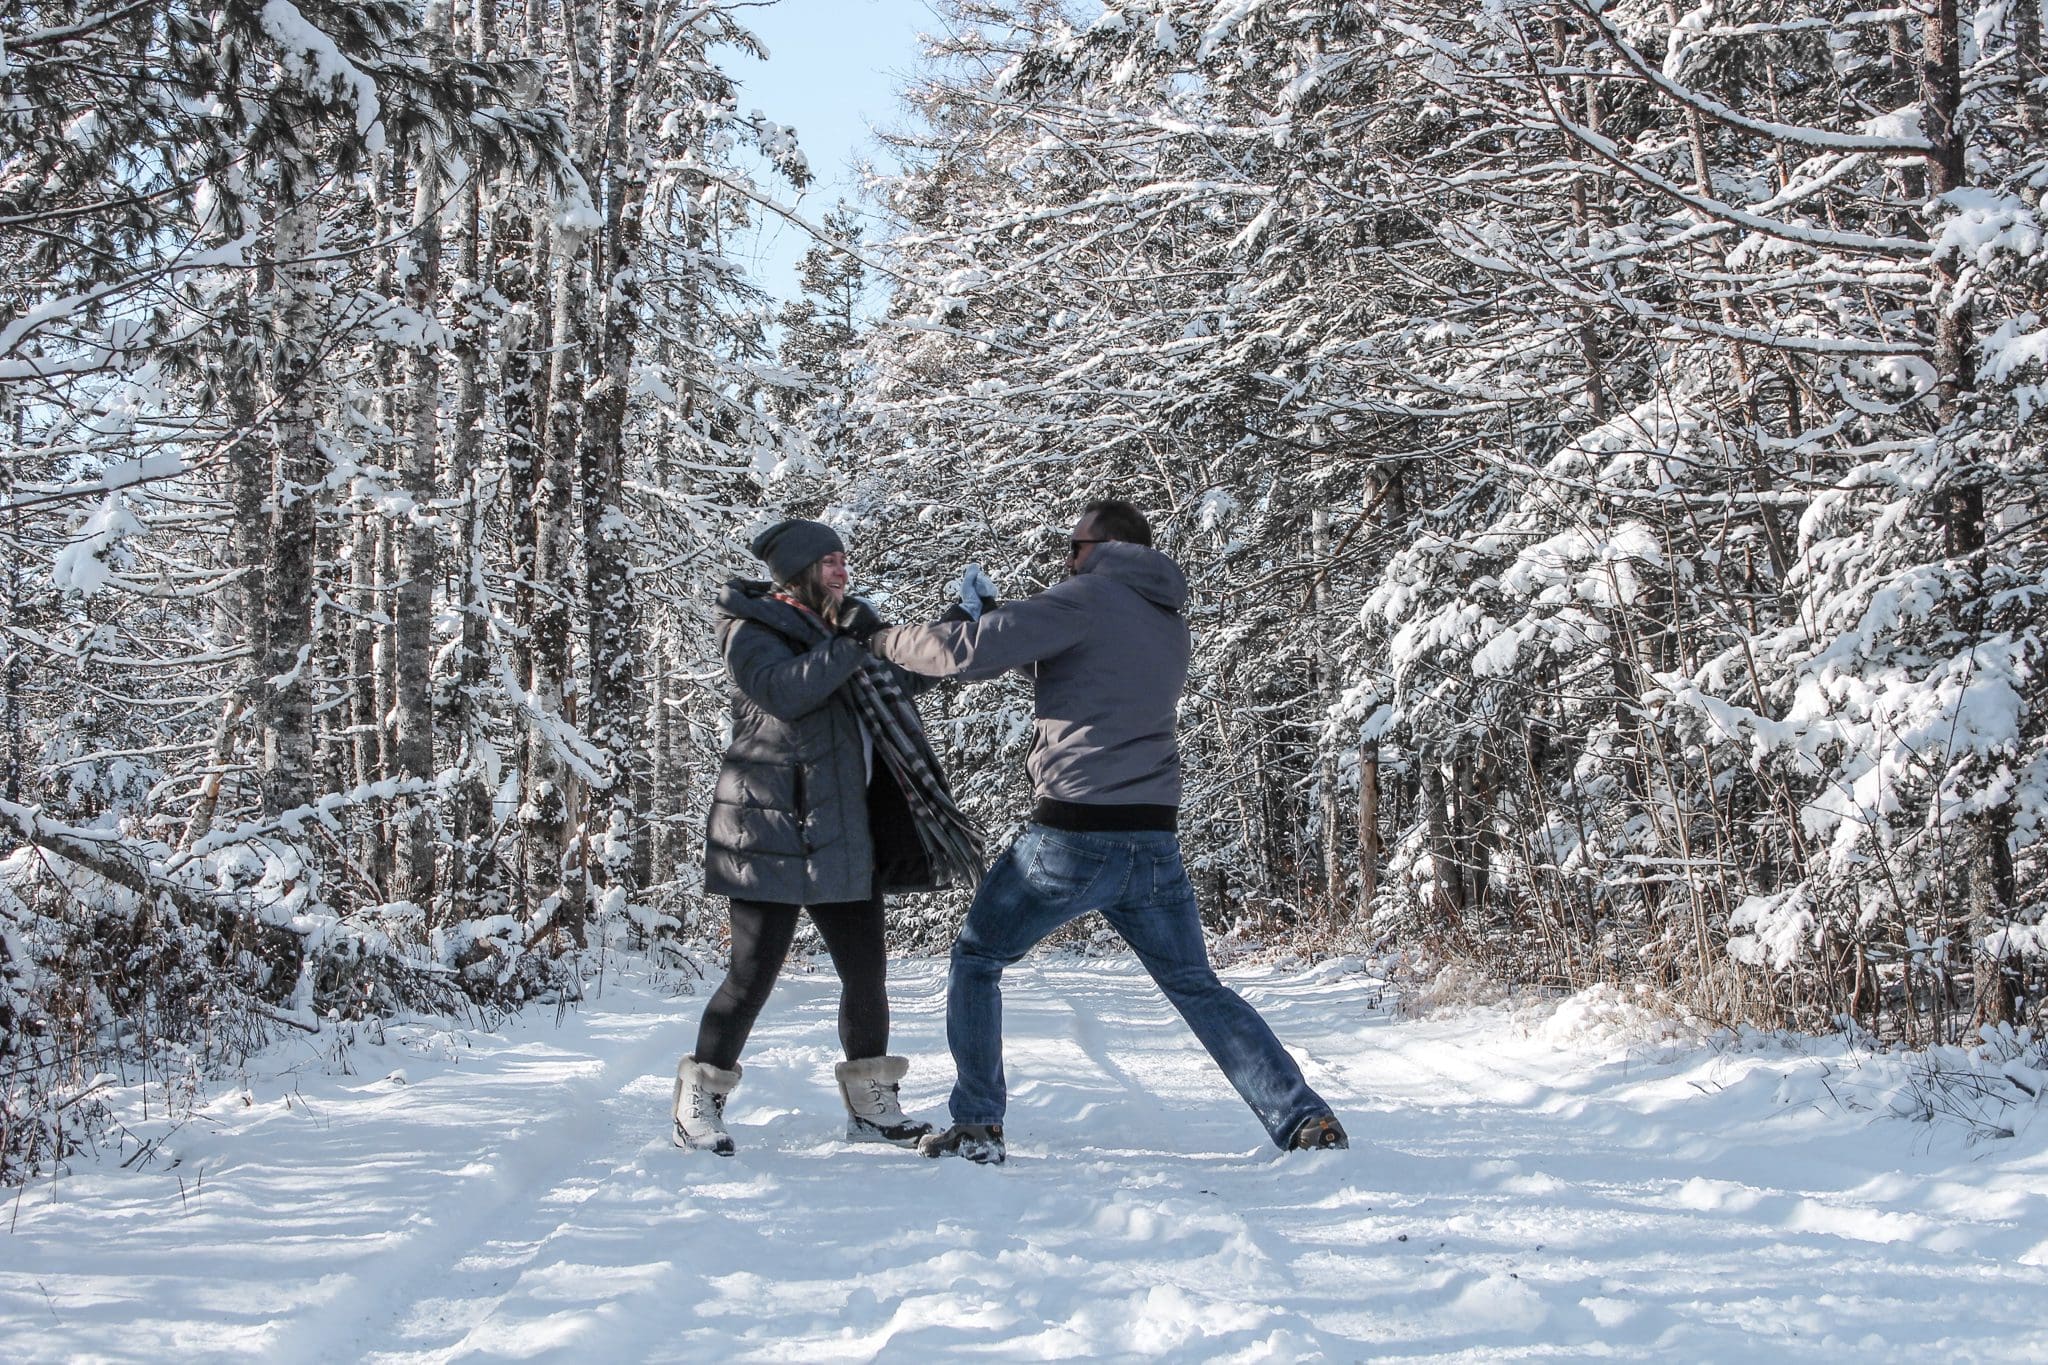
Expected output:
{"points": [[98, 553], [1604, 1014], [1224, 20], [2018, 940], [1771, 930], [1984, 224], [2017, 346], [576, 216], [1215, 510]]}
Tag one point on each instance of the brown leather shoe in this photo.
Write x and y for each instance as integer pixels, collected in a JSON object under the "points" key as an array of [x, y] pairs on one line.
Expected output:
{"points": [[978, 1142], [1319, 1133]]}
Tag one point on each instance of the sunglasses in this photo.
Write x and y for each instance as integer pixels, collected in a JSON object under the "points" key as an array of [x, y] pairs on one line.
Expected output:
{"points": [[1074, 546]]}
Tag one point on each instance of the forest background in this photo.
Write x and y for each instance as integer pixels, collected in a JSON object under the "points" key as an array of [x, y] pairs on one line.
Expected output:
{"points": [[1605, 441]]}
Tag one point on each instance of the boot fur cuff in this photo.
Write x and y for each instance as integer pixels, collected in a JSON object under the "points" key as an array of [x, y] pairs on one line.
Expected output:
{"points": [[887, 1070], [716, 1080]]}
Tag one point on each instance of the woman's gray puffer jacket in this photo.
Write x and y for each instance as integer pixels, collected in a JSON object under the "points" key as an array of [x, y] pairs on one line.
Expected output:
{"points": [[794, 818]]}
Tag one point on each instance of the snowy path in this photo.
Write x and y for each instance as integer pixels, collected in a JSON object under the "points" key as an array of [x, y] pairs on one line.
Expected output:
{"points": [[1513, 1191]]}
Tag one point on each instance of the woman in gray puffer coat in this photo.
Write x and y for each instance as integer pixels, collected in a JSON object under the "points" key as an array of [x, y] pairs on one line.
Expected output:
{"points": [[805, 816]]}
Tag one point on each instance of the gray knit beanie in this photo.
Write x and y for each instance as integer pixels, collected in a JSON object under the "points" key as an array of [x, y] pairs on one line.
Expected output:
{"points": [[790, 547]]}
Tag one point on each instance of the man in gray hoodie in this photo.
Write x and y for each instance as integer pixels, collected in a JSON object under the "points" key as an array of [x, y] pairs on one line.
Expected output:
{"points": [[1107, 653]]}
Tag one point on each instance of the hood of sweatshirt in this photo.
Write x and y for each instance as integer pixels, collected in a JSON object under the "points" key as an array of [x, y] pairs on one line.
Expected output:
{"points": [[1145, 571]]}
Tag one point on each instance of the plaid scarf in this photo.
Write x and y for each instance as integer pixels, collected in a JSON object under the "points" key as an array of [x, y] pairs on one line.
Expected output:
{"points": [[951, 842]]}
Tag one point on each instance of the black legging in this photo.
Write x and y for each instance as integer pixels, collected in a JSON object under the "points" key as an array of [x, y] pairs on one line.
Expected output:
{"points": [[761, 935]]}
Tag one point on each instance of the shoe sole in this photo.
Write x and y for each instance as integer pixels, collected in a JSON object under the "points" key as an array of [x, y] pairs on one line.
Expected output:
{"points": [[1327, 1137], [983, 1158]]}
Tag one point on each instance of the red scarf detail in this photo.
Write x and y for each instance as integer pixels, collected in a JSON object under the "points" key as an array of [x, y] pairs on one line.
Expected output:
{"points": [[785, 597]]}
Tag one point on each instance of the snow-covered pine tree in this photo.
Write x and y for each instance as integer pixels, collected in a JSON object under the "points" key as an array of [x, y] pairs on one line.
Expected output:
{"points": [[820, 327], [197, 229], [1636, 344], [1114, 263]]}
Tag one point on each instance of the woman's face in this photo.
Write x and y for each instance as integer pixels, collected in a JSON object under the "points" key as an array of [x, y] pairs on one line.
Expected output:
{"points": [[832, 576]]}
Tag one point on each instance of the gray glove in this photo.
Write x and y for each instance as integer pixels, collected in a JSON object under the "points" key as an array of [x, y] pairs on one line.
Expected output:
{"points": [[976, 591]]}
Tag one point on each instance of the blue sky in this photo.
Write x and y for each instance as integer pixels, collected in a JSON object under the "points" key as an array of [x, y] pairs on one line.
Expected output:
{"points": [[832, 74]]}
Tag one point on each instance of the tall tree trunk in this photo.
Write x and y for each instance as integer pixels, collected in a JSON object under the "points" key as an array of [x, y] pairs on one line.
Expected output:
{"points": [[1439, 807], [1990, 894], [1331, 846], [554, 873], [419, 551], [522, 341], [284, 695], [2028, 73], [460, 714], [616, 717], [1368, 824], [665, 786], [251, 459], [364, 722], [554, 862]]}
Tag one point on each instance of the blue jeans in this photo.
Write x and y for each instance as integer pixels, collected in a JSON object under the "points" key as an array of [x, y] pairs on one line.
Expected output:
{"points": [[1051, 876]]}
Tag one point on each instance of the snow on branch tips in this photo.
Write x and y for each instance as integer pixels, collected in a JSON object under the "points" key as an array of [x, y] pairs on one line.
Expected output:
{"points": [[99, 552], [313, 59]]}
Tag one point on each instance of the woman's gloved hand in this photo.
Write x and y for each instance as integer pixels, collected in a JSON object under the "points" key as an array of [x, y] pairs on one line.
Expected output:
{"points": [[857, 619]]}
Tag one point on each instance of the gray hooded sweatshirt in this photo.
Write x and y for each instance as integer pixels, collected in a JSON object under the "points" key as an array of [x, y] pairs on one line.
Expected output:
{"points": [[1107, 653]]}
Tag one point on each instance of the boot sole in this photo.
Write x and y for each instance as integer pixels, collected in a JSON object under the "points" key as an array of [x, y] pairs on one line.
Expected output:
{"points": [[857, 1132], [684, 1142]]}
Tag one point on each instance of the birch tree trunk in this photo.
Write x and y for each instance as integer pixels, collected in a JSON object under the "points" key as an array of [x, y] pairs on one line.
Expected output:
{"points": [[251, 459], [662, 844], [1368, 825], [458, 704], [553, 874], [522, 341], [284, 691]]}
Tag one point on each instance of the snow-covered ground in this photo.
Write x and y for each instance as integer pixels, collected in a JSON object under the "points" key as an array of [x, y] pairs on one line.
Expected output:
{"points": [[1519, 1185]]}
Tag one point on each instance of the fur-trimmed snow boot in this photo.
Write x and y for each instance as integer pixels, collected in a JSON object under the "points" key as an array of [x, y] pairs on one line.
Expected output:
{"points": [[874, 1110], [699, 1106]]}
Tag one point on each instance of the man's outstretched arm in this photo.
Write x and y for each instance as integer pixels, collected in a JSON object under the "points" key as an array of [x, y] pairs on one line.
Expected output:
{"points": [[1012, 635]]}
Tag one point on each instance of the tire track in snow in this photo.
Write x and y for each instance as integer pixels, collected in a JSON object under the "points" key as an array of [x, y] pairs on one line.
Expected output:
{"points": [[536, 1163], [1510, 1193], [630, 1224]]}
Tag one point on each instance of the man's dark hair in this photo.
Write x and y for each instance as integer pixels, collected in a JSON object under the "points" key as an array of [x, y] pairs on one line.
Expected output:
{"points": [[1118, 520]]}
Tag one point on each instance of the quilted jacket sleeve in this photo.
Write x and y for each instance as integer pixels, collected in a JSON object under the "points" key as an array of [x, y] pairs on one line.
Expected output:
{"points": [[788, 686]]}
